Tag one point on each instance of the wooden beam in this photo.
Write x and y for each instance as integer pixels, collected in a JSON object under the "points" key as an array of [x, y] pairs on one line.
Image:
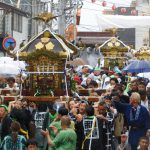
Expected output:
{"points": [[49, 98]]}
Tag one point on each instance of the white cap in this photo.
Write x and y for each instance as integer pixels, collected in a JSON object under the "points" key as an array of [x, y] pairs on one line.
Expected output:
{"points": [[91, 76], [148, 85], [107, 79], [125, 134]]}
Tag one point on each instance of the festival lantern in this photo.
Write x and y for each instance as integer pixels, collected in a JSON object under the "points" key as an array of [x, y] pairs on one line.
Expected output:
{"points": [[113, 7], [133, 12], [104, 3], [123, 10], [93, 1]]}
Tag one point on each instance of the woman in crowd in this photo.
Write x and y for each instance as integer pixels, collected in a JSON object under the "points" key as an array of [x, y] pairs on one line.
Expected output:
{"points": [[12, 86], [14, 141]]}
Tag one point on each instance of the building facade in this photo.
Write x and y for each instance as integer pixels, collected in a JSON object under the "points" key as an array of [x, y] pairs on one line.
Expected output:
{"points": [[126, 35], [16, 20], [32, 8], [142, 34], [14, 23]]}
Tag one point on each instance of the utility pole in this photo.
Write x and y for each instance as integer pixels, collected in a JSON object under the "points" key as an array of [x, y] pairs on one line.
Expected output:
{"points": [[51, 11], [30, 22], [18, 4], [66, 10], [62, 19], [75, 23]]}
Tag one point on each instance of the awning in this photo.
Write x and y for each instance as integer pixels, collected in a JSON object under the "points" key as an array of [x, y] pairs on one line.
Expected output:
{"points": [[101, 22]]}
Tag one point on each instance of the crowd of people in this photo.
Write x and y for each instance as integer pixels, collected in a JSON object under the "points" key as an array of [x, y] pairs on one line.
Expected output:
{"points": [[120, 120]]}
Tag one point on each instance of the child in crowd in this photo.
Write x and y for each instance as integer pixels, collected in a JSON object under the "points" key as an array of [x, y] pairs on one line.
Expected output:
{"points": [[31, 145], [143, 143], [124, 142]]}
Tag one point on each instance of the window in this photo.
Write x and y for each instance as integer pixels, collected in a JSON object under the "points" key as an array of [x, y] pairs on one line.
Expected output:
{"points": [[17, 24]]}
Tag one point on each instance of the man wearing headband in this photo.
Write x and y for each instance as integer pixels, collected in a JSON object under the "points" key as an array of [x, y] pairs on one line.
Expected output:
{"points": [[5, 121]]}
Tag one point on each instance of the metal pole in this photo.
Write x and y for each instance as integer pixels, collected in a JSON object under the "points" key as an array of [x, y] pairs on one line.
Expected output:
{"points": [[12, 22], [51, 10], [62, 20], [30, 21], [18, 3], [75, 23]]}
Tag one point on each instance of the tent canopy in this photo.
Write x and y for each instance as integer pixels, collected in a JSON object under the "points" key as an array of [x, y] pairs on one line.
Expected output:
{"points": [[101, 22]]}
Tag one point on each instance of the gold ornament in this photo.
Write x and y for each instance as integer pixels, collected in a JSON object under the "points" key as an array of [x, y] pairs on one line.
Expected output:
{"points": [[113, 40], [39, 45], [46, 34], [23, 54], [62, 53], [45, 40], [117, 44], [45, 17], [49, 46], [110, 44]]}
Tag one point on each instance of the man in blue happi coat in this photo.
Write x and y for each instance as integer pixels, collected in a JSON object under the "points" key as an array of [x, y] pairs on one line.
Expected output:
{"points": [[137, 117]]}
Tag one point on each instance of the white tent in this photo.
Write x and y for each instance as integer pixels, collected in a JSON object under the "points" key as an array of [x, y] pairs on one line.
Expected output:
{"points": [[144, 75], [92, 18], [9, 67], [101, 22]]}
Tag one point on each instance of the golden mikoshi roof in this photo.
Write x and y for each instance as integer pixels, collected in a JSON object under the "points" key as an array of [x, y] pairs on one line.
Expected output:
{"points": [[143, 53], [114, 44], [48, 42], [143, 50]]}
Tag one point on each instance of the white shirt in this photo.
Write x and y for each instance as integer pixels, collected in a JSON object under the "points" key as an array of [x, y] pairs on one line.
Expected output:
{"points": [[145, 104], [15, 87]]}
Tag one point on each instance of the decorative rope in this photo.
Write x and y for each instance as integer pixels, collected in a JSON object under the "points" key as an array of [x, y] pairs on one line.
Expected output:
{"points": [[90, 134]]}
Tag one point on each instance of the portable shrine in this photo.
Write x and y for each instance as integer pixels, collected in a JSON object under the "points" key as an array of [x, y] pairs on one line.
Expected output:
{"points": [[46, 56], [143, 53], [113, 52]]}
